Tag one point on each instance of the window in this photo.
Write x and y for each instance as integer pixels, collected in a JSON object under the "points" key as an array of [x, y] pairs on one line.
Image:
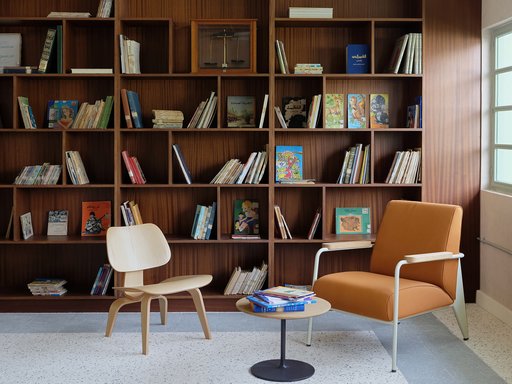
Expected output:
{"points": [[501, 108]]}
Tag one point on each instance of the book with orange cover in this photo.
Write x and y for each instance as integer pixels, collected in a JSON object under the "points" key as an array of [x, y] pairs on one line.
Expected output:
{"points": [[96, 218]]}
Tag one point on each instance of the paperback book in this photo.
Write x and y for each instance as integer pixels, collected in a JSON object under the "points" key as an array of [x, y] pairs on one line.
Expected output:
{"points": [[246, 219], [57, 223], [27, 231], [288, 163], [334, 110], [61, 113], [356, 114], [295, 112], [379, 110], [353, 221], [96, 216], [241, 111]]}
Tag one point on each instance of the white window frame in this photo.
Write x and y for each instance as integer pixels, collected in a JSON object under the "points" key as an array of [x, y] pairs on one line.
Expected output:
{"points": [[493, 147]]}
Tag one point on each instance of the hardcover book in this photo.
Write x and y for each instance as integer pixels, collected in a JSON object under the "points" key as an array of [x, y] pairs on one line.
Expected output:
{"points": [[356, 113], [246, 218], [57, 222], [27, 230], [135, 108], [288, 163], [353, 221], [334, 110], [358, 58], [241, 111], [95, 218], [295, 112], [61, 113], [379, 110]]}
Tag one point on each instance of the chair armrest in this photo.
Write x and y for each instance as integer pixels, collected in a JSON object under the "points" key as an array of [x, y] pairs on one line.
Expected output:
{"points": [[434, 256], [347, 245]]}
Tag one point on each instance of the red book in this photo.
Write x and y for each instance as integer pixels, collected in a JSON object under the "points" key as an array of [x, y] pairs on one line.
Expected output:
{"points": [[128, 163]]}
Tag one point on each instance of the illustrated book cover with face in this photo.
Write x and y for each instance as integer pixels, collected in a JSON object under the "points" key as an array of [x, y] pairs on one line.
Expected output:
{"points": [[96, 218]]}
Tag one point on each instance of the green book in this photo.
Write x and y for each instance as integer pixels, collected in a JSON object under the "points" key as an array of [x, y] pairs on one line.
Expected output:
{"points": [[353, 221]]}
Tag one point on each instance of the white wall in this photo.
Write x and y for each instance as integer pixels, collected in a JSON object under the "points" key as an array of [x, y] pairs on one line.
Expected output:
{"points": [[495, 293]]}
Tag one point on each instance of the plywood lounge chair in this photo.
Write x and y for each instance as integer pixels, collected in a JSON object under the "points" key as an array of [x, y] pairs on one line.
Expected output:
{"points": [[414, 269], [135, 248]]}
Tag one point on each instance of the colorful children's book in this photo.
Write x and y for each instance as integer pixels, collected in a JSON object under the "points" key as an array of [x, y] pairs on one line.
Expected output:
{"points": [[353, 221], [61, 113], [246, 218], [379, 110], [356, 110], [288, 163], [334, 110], [295, 112], [241, 111], [96, 216]]}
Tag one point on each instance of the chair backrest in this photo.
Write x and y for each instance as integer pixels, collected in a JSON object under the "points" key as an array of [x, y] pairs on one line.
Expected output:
{"points": [[137, 247], [410, 227]]}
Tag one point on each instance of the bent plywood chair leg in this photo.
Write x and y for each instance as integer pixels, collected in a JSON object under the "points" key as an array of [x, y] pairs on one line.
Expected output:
{"points": [[145, 311], [113, 311], [162, 300], [199, 304]]}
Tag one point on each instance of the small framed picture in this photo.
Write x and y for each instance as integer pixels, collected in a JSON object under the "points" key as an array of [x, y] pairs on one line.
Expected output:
{"points": [[27, 231], [220, 45]]}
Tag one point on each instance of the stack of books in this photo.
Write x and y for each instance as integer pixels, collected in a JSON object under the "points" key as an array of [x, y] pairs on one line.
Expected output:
{"points": [[205, 111], [310, 69], [134, 169], [310, 13], [39, 174], [246, 282], [47, 287], [356, 166], [76, 168], [281, 299], [100, 286], [406, 167], [203, 221], [163, 118], [131, 213]]}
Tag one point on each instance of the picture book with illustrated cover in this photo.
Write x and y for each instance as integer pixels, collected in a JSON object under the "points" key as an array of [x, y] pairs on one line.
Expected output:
{"points": [[241, 112], [295, 112], [61, 113], [334, 110], [246, 219], [356, 110], [379, 110], [27, 231], [96, 218], [353, 221], [57, 222], [288, 163]]}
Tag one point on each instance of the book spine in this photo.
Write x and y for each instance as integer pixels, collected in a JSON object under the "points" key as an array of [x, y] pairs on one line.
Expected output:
{"points": [[47, 50], [127, 163]]}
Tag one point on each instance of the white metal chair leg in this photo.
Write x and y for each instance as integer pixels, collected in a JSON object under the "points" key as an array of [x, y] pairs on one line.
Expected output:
{"points": [[459, 306], [310, 331]]}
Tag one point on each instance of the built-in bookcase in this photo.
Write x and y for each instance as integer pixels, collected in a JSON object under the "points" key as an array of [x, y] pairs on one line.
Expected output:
{"points": [[163, 29]]}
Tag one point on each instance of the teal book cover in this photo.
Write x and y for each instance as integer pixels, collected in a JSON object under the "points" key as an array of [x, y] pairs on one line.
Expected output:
{"points": [[288, 163], [353, 221]]}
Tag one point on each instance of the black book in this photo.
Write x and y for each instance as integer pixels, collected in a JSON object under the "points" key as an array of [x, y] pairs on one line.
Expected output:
{"points": [[183, 165]]}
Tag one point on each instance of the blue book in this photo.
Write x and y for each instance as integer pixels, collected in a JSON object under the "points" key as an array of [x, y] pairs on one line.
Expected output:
{"points": [[291, 308], [210, 221], [289, 304], [419, 101], [358, 58], [135, 109], [196, 217]]}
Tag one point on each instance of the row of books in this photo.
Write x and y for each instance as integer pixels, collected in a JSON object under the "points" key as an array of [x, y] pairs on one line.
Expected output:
{"points": [[47, 287], [281, 299], [165, 118], [44, 174], [131, 213], [27, 114], [235, 172], [204, 113], [104, 8], [246, 281], [356, 166], [130, 55], [95, 115], [100, 286], [203, 221], [284, 230], [407, 54], [406, 167], [310, 12], [76, 168], [134, 169]]}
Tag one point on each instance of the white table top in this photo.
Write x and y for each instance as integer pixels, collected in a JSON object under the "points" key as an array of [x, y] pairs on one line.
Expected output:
{"points": [[313, 309]]}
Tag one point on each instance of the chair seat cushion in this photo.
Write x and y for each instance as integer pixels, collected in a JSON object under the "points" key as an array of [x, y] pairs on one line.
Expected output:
{"points": [[371, 295], [173, 285]]}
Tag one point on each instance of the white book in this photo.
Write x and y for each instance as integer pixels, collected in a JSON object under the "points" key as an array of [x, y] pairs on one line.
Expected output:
{"points": [[122, 54], [261, 170], [263, 111], [10, 49], [247, 166], [92, 70]]}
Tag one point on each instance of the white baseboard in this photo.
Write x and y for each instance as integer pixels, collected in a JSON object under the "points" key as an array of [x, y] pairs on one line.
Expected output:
{"points": [[494, 307]]}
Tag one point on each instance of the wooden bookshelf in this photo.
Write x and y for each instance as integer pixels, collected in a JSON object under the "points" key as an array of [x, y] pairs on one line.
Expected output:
{"points": [[166, 82]]}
